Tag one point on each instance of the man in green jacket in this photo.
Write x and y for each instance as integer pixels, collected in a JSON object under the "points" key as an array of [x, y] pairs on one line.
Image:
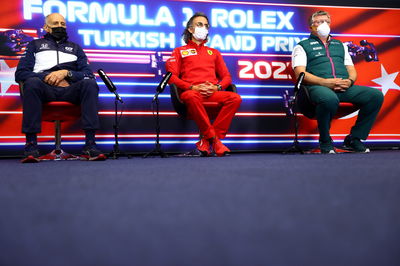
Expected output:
{"points": [[330, 76]]}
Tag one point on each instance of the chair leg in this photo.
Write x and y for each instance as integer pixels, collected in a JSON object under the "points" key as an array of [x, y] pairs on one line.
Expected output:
{"points": [[57, 129], [58, 153]]}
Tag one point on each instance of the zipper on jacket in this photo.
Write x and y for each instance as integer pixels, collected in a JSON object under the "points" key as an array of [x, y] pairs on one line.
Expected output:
{"points": [[58, 57], [328, 54]]}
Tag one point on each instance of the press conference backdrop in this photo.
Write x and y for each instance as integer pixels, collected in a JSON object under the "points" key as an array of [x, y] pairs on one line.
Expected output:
{"points": [[131, 40]]}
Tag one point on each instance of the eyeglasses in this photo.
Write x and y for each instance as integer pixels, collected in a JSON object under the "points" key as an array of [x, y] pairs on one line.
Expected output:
{"points": [[318, 22], [201, 25]]}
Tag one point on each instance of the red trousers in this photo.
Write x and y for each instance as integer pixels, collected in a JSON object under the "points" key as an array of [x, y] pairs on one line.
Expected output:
{"points": [[230, 102]]}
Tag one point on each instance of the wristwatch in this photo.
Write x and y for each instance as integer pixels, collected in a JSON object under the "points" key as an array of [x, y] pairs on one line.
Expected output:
{"points": [[69, 74]]}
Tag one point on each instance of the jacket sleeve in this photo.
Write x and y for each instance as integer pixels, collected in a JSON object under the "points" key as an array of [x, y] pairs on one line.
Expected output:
{"points": [[26, 64], [222, 71], [83, 70], [173, 65]]}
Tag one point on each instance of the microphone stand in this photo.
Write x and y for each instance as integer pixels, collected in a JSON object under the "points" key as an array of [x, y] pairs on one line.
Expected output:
{"points": [[295, 147], [116, 152], [296, 144], [111, 87], [157, 150]]}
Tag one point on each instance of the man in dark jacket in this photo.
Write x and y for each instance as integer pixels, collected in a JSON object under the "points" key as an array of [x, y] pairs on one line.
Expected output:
{"points": [[54, 69], [330, 76]]}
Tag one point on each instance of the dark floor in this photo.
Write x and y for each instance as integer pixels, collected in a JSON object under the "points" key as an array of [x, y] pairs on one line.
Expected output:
{"points": [[246, 209]]}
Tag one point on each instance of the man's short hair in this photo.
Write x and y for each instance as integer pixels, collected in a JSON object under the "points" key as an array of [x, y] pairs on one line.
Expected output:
{"points": [[316, 14], [186, 35]]}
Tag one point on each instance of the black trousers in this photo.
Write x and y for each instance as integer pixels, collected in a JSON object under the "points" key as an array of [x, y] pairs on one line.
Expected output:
{"points": [[36, 92]]}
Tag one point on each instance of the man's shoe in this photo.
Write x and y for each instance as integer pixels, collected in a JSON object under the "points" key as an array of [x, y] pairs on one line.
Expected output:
{"points": [[203, 145], [192, 153], [31, 149], [92, 153], [354, 144], [31, 153], [326, 147], [219, 148]]}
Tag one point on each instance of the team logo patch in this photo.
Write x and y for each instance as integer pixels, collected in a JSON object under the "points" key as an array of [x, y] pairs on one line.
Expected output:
{"points": [[44, 46], [69, 49], [209, 52], [188, 52]]}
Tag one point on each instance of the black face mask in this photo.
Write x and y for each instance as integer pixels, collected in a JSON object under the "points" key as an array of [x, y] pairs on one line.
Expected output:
{"points": [[59, 33]]}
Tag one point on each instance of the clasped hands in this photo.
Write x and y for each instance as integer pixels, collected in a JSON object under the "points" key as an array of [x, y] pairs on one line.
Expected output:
{"points": [[337, 84], [205, 89], [57, 78]]}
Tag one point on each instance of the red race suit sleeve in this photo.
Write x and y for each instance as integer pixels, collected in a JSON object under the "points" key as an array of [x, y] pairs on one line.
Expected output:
{"points": [[173, 65]]}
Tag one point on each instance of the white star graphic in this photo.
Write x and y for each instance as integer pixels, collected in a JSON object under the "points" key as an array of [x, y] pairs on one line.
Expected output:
{"points": [[6, 76], [387, 80]]}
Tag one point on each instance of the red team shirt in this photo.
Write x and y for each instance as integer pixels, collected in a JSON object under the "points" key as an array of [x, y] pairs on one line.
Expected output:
{"points": [[194, 64]]}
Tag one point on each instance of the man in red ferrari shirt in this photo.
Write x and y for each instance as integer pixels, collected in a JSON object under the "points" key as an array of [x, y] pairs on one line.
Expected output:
{"points": [[201, 75]]}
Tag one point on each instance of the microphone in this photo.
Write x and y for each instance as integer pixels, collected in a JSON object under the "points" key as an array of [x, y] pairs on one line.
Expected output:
{"points": [[163, 83], [299, 81], [111, 87]]}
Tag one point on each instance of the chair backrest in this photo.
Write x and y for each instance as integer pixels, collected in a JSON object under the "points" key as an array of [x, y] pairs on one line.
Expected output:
{"points": [[177, 103], [21, 89], [304, 103]]}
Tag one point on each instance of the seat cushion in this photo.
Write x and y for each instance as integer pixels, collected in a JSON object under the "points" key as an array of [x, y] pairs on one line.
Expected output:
{"points": [[63, 111]]}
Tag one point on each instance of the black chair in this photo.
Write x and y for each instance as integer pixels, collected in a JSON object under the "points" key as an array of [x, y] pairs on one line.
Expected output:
{"points": [[301, 102], [212, 108]]}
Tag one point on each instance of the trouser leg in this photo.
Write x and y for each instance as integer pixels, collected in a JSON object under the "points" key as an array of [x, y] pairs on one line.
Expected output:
{"points": [[230, 104], [35, 93], [327, 103], [194, 102], [369, 100], [85, 93]]}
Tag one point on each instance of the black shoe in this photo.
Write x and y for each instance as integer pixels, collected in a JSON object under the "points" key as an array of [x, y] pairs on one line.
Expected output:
{"points": [[31, 149], [326, 147], [92, 153], [31, 153], [192, 153], [354, 144]]}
